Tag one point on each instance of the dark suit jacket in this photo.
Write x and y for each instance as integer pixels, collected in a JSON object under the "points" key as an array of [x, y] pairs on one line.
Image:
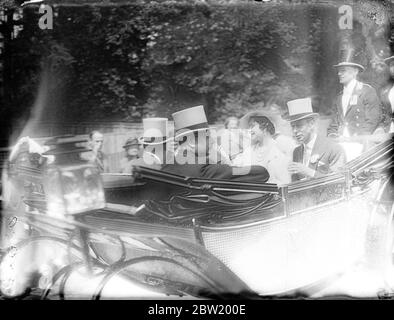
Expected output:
{"points": [[387, 111], [363, 115], [329, 157], [253, 174]]}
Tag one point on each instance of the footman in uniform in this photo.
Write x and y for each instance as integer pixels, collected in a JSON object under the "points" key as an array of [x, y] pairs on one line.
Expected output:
{"points": [[96, 155], [357, 110]]}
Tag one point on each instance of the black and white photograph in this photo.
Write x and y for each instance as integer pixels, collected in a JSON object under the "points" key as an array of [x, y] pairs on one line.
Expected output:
{"points": [[196, 150]]}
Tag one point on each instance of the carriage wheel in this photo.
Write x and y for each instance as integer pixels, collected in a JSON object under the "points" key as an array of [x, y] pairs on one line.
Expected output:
{"points": [[19, 271]]}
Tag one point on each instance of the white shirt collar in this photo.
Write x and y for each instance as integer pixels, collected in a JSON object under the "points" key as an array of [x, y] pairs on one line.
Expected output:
{"points": [[350, 86], [311, 143]]}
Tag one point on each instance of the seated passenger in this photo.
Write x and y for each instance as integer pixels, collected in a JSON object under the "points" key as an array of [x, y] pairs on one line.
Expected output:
{"points": [[283, 133], [264, 151], [195, 158], [316, 155], [132, 149]]}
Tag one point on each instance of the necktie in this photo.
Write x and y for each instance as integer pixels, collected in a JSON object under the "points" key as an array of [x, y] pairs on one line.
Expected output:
{"points": [[307, 155]]}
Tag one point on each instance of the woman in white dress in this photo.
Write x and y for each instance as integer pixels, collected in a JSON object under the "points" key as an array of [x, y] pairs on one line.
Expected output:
{"points": [[264, 151]]}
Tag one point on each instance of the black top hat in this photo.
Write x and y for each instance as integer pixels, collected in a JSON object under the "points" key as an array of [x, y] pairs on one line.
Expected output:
{"points": [[350, 58]]}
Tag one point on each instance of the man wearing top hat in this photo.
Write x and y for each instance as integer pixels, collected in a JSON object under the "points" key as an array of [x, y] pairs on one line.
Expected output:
{"points": [[387, 97], [357, 108], [316, 155], [196, 156]]}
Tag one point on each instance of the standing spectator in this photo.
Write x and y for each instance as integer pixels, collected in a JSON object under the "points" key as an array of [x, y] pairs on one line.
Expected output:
{"points": [[132, 149], [96, 155]]}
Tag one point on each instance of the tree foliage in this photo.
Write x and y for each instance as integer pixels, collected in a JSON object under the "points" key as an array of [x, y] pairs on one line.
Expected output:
{"points": [[126, 61]]}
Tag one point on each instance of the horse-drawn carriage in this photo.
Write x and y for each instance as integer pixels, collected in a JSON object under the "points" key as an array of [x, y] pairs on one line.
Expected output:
{"points": [[64, 224]]}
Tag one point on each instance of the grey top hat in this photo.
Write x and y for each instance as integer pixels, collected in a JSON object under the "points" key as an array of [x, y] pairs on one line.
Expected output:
{"points": [[300, 109], [190, 120]]}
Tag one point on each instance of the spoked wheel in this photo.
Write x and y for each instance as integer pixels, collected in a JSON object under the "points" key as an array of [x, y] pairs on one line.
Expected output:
{"points": [[30, 264], [143, 271]]}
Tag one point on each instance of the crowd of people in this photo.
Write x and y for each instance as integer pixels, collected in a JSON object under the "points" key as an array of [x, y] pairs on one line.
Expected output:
{"points": [[253, 148]]}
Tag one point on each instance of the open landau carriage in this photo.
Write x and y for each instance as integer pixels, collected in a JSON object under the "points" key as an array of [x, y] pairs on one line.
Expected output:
{"points": [[67, 230]]}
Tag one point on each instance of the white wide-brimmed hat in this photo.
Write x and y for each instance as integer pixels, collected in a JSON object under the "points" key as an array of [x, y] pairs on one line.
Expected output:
{"points": [[300, 109], [190, 120], [155, 131]]}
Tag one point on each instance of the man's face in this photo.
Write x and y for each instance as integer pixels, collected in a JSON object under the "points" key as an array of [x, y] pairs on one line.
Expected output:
{"points": [[303, 129], [133, 151], [257, 135], [97, 141], [346, 74], [232, 124]]}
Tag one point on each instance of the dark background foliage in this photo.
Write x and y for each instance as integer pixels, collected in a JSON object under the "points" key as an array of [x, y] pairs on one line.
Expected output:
{"points": [[125, 61]]}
